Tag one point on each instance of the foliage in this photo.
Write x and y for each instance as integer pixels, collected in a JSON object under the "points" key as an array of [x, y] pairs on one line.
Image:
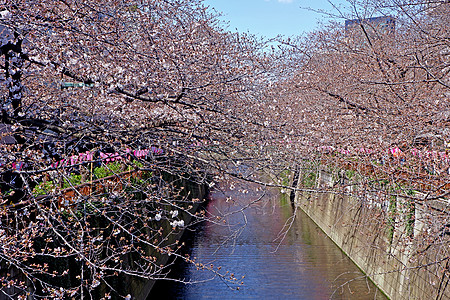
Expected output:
{"points": [[285, 175], [392, 219], [108, 170], [44, 188], [310, 179], [73, 180]]}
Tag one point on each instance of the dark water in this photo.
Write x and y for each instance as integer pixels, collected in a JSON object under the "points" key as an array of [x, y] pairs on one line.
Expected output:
{"points": [[299, 263]]}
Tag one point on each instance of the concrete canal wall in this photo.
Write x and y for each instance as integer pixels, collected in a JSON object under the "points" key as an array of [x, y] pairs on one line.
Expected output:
{"points": [[388, 239], [139, 289]]}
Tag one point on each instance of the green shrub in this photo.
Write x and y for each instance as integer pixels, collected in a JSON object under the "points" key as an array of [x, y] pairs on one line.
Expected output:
{"points": [[138, 164], [115, 167], [108, 170], [72, 181], [310, 178], [349, 174], [43, 188], [101, 172], [285, 177]]}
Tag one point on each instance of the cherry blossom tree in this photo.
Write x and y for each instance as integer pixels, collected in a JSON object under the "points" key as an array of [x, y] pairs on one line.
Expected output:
{"points": [[119, 110], [370, 107]]}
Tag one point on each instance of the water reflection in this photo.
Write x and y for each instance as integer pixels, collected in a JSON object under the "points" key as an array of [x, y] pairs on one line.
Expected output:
{"points": [[299, 263]]}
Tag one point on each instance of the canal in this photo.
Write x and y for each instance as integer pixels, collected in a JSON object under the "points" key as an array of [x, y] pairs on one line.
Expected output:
{"points": [[280, 257]]}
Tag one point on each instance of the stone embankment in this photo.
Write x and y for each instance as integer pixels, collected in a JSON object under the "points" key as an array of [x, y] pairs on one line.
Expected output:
{"points": [[401, 245]]}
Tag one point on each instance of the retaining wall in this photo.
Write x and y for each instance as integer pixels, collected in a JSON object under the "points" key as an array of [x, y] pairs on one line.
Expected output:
{"points": [[406, 259]]}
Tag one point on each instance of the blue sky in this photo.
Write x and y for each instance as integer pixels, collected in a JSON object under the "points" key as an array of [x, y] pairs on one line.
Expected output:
{"points": [[271, 17]]}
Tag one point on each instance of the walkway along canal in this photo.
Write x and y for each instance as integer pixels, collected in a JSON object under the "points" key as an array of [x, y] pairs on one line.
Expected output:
{"points": [[298, 263]]}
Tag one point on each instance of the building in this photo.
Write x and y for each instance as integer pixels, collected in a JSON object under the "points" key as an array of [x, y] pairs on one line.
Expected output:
{"points": [[377, 28]]}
